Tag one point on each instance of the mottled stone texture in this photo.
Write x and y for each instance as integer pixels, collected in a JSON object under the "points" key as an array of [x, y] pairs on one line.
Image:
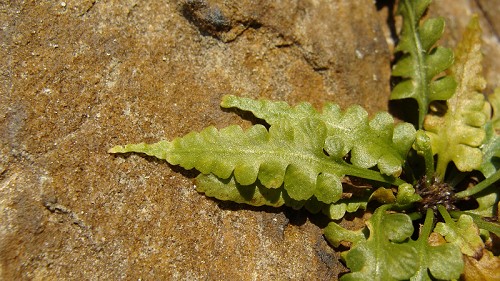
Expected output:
{"points": [[78, 77]]}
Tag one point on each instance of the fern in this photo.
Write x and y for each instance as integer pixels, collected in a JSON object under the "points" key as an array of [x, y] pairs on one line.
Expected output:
{"points": [[458, 135], [292, 151], [397, 262], [304, 158], [402, 258], [421, 61]]}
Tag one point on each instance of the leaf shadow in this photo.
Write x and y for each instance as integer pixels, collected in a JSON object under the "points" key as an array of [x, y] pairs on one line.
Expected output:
{"points": [[246, 115], [191, 174], [405, 110]]}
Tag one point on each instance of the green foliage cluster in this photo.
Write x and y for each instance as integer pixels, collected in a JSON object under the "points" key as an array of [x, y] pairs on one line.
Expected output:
{"points": [[302, 157]]}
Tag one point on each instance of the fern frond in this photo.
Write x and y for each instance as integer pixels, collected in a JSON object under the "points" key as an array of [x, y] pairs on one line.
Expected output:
{"points": [[389, 253], [458, 135], [287, 154], [421, 62], [375, 142], [381, 255], [303, 150]]}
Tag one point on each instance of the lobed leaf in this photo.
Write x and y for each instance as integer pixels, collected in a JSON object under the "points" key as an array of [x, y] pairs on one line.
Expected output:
{"points": [[301, 154], [388, 253], [442, 262], [286, 154], [380, 256], [458, 135], [464, 233], [375, 142], [421, 62]]}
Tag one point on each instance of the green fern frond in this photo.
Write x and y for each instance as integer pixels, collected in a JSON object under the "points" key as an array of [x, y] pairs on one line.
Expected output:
{"points": [[388, 253], [303, 151], [458, 135], [381, 255], [375, 142], [285, 154], [421, 62]]}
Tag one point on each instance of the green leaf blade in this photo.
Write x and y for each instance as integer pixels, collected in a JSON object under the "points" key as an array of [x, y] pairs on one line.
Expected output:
{"points": [[371, 141], [380, 256], [431, 31], [302, 152]]}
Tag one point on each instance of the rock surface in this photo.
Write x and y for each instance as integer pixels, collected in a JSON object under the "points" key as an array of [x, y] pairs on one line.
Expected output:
{"points": [[78, 77]]}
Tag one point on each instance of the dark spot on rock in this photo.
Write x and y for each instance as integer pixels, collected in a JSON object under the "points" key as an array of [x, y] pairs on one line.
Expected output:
{"points": [[208, 19]]}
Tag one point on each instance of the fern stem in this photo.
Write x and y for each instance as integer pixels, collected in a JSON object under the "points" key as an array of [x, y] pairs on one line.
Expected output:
{"points": [[441, 168], [427, 228], [446, 216], [423, 147], [480, 186]]}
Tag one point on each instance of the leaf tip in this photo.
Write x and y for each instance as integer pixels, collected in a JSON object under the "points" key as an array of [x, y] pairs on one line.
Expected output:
{"points": [[227, 101], [117, 149]]}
